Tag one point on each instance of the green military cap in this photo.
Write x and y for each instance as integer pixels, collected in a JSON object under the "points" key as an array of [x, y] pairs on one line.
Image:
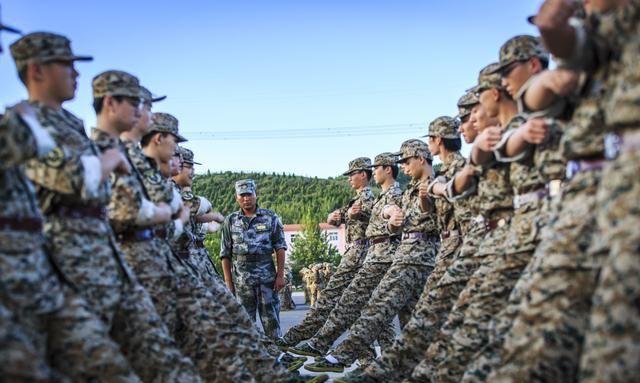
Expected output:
{"points": [[444, 127], [413, 148], [385, 159], [43, 47], [520, 48], [115, 83], [488, 78], [466, 103], [187, 155], [147, 97], [360, 163], [247, 186], [165, 123]]}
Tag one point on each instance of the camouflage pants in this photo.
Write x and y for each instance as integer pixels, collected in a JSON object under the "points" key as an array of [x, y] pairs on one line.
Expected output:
{"points": [[539, 335], [314, 319], [199, 317], [203, 265], [396, 294], [264, 300], [612, 346], [449, 277], [348, 308], [437, 353]]}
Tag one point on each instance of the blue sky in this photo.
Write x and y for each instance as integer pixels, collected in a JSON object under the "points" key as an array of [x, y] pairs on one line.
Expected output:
{"points": [[281, 65]]}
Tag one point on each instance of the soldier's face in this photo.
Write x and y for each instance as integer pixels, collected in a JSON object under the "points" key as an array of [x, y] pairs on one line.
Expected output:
{"points": [[467, 129], [517, 74], [144, 122], [126, 113], [59, 78], [434, 145], [166, 147], [479, 119], [489, 103], [412, 167], [176, 166], [247, 201], [357, 179], [380, 174]]}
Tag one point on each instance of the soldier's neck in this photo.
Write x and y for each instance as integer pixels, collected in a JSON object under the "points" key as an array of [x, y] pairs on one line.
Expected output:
{"points": [[131, 136], [387, 184], [45, 100], [103, 125], [506, 111]]}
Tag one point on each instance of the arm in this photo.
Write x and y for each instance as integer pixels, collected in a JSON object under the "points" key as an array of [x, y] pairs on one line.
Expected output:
{"points": [[23, 137], [280, 281], [226, 271], [482, 150], [463, 181], [279, 246], [226, 246], [553, 22]]}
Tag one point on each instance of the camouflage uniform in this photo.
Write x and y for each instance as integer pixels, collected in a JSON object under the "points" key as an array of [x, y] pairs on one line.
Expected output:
{"points": [[413, 261], [495, 203], [351, 262], [285, 294], [382, 246], [250, 243], [513, 251], [547, 335], [439, 292], [212, 323]]}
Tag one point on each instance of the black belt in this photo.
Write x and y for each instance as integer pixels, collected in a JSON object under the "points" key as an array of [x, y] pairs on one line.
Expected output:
{"points": [[29, 225], [383, 239], [253, 257], [360, 242], [79, 212], [136, 235]]}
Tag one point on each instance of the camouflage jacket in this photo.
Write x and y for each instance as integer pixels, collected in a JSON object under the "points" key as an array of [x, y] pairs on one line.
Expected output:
{"points": [[70, 177], [444, 207], [416, 220], [377, 223], [159, 188], [356, 226], [244, 238]]}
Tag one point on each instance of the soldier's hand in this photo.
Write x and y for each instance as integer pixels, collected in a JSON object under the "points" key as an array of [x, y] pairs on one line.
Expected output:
{"points": [[423, 190], [397, 218], [218, 217], [355, 209], [561, 81], [335, 216], [231, 287], [279, 283], [468, 171], [389, 210], [488, 139], [555, 13], [534, 131]]}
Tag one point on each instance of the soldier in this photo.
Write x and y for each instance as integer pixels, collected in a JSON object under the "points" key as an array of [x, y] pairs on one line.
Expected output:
{"points": [[355, 215], [249, 237], [399, 289], [382, 247], [73, 190], [243, 353], [200, 213], [305, 284], [285, 294], [563, 282]]}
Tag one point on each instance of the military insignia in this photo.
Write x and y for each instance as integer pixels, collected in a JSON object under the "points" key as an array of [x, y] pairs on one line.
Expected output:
{"points": [[152, 176], [261, 227], [55, 158], [187, 195]]}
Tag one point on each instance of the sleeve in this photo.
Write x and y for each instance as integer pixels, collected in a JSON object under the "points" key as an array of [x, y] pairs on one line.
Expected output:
{"points": [[367, 204], [452, 197], [343, 214], [499, 154], [127, 204], [22, 139], [277, 234], [204, 206], [176, 201], [226, 242]]}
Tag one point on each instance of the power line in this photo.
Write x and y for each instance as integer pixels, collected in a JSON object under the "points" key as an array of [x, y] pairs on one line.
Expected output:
{"points": [[344, 131]]}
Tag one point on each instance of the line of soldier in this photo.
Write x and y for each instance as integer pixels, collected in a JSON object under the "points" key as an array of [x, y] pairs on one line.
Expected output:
{"points": [[103, 272], [521, 262]]}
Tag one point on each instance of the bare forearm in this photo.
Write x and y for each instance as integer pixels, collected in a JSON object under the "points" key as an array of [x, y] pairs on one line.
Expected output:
{"points": [[559, 39], [516, 144], [226, 271], [280, 258], [461, 183], [480, 157]]}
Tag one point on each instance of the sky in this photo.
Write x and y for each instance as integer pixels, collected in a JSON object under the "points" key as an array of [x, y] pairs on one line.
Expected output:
{"points": [[261, 69]]}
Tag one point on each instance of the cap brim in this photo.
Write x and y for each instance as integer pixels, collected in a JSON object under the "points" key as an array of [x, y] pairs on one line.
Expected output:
{"points": [[532, 19], [158, 98], [10, 29], [180, 138]]}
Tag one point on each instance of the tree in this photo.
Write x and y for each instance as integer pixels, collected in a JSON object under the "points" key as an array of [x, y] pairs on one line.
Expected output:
{"points": [[311, 246]]}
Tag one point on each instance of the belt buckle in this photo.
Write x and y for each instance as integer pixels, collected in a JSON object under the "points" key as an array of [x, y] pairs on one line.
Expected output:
{"points": [[517, 202], [501, 222], [612, 146]]}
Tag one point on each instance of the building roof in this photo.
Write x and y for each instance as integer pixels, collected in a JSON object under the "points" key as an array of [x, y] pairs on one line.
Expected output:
{"points": [[300, 227]]}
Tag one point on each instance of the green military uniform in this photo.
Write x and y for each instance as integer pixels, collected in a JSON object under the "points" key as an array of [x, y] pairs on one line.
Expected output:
{"points": [[352, 260]]}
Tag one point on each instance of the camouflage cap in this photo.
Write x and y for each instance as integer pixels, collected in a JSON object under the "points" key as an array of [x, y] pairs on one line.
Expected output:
{"points": [[187, 155], [521, 48], [247, 186], [360, 163], [165, 123], [413, 148], [115, 83], [43, 47], [148, 97], [466, 104], [488, 78], [385, 159], [444, 127]]}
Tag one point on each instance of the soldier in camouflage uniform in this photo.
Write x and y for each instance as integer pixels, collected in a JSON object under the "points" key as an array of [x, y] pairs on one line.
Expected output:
{"points": [[200, 213], [495, 209], [286, 299], [397, 361], [414, 259], [355, 215], [244, 353], [382, 247], [530, 168], [73, 190], [250, 236], [547, 336]]}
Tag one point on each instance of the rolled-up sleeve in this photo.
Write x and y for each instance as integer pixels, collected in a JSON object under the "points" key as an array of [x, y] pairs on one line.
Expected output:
{"points": [[226, 242], [277, 234]]}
